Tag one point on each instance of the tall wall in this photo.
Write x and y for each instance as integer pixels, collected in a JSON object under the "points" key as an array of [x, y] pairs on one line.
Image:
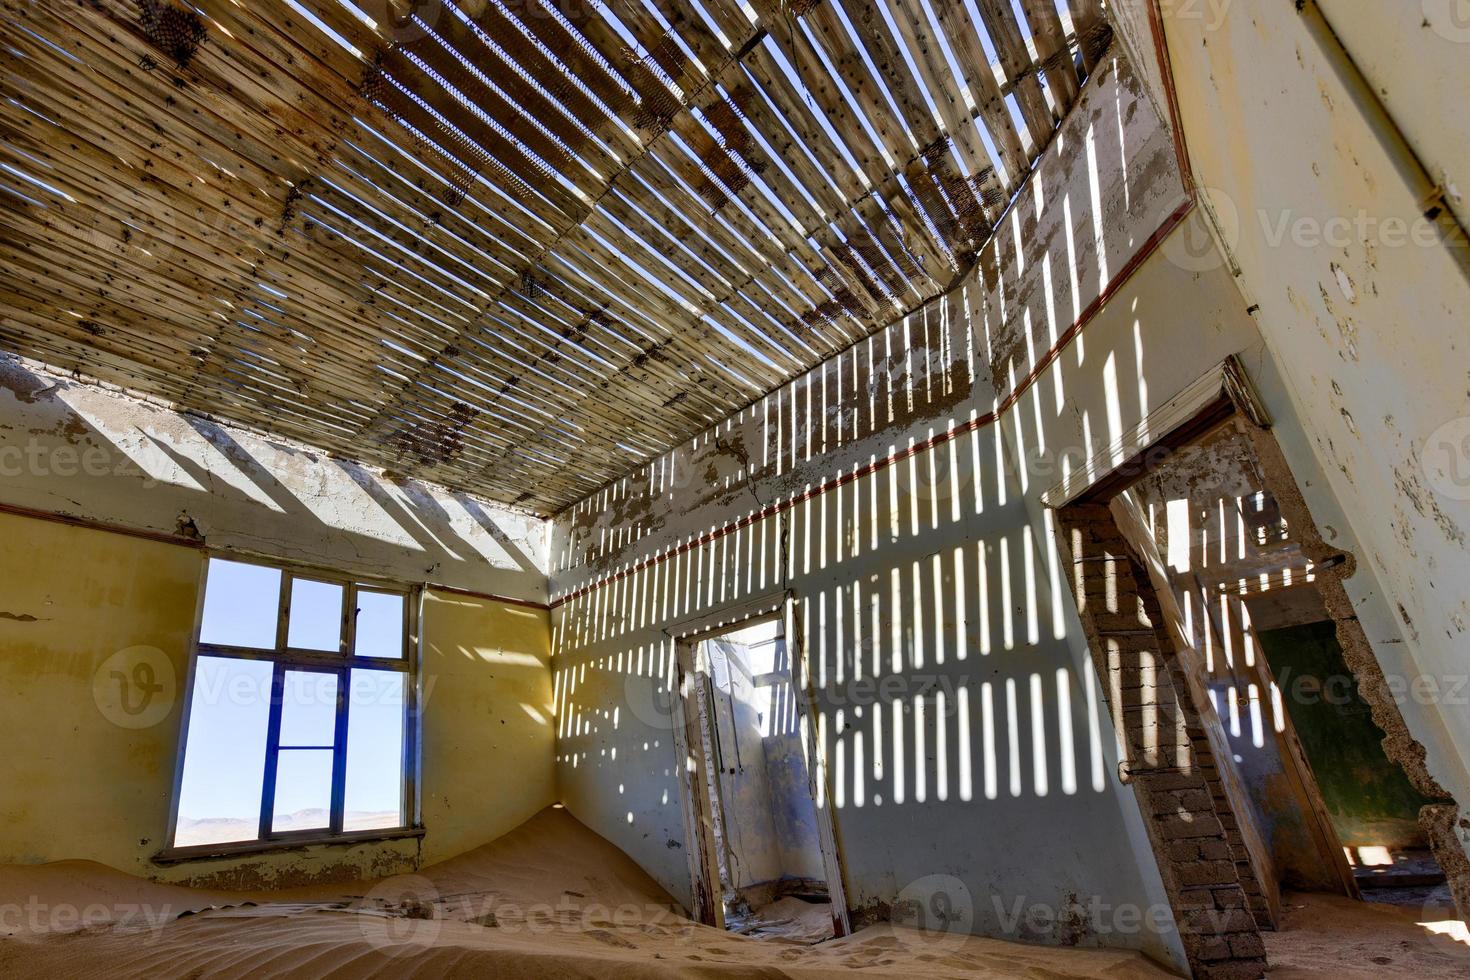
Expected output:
{"points": [[99, 780], [85, 451], [1318, 132], [966, 743]]}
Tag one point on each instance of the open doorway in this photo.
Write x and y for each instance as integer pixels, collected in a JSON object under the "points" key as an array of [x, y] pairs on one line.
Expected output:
{"points": [[1258, 729], [1336, 813], [764, 858]]}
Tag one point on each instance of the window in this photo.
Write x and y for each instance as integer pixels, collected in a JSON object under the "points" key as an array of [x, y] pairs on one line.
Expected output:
{"points": [[297, 724]]}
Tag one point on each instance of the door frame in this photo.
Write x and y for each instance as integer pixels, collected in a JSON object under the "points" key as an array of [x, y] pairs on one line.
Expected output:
{"points": [[1225, 396], [692, 725]]}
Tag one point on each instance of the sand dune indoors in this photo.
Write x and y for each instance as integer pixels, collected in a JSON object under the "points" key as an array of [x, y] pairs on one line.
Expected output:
{"points": [[549, 899]]}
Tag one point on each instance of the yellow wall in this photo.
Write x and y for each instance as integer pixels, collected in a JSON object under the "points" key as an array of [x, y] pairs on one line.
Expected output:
{"points": [[84, 779], [489, 742], [76, 783]]}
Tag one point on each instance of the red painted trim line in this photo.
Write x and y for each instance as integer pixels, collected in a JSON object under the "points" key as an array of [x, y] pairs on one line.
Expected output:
{"points": [[199, 545], [1171, 95], [95, 525], [980, 421], [489, 596]]}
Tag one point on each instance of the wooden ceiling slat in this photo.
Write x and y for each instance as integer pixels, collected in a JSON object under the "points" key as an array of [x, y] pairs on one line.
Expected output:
{"points": [[804, 60], [917, 35], [819, 226], [659, 45], [338, 98], [534, 100], [585, 60], [535, 180], [705, 239], [1010, 48], [805, 128], [506, 31], [748, 257], [979, 78], [506, 251], [718, 289], [1052, 54], [1091, 29], [572, 356], [447, 217], [932, 147], [590, 319], [691, 29]]}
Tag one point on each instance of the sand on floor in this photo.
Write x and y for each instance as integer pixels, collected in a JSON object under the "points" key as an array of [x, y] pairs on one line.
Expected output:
{"points": [[1335, 936], [551, 899]]}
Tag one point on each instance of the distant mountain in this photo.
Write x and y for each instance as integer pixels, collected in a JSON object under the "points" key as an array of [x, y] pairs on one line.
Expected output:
{"points": [[194, 831]]}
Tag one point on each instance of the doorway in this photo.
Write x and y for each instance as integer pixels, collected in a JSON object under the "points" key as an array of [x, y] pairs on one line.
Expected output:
{"points": [[1336, 814], [1256, 724], [766, 857]]}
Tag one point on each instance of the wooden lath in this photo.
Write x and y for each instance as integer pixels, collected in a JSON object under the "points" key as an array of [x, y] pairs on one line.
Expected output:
{"points": [[513, 246]]}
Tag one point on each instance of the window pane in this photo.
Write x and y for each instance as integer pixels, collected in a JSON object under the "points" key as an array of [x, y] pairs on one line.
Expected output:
{"points": [[379, 625], [303, 790], [316, 616], [308, 708], [224, 760], [374, 797], [241, 604]]}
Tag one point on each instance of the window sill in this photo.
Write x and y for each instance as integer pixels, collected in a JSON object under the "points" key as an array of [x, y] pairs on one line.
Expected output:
{"points": [[204, 852]]}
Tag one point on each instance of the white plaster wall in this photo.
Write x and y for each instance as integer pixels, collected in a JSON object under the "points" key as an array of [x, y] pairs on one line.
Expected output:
{"points": [[89, 452], [1364, 320], [1413, 55], [927, 593]]}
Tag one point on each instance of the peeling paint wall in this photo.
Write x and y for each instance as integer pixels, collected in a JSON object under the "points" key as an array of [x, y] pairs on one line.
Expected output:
{"points": [[488, 736], [98, 780], [966, 746], [86, 451], [1351, 253]]}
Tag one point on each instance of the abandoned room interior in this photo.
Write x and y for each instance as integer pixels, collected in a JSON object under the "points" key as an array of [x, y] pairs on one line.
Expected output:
{"points": [[734, 488]]}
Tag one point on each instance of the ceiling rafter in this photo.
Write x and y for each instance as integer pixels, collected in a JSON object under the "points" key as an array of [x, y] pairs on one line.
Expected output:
{"points": [[512, 246]]}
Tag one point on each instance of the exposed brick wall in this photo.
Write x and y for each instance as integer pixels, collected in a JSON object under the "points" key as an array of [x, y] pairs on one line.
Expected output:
{"points": [[1205, 763], [1202, 859]]}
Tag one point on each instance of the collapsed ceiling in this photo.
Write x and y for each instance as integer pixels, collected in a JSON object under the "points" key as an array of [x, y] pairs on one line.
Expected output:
{"points": [[511, 246]]}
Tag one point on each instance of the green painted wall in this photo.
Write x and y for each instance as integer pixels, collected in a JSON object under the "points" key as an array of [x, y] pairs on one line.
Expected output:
{"points": [[1369, 798]]}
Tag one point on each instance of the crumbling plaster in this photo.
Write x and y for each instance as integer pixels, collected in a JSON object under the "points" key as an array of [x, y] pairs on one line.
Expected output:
{"points": [[88, 452], [798, 492], [1316, 135], [98, 777]]}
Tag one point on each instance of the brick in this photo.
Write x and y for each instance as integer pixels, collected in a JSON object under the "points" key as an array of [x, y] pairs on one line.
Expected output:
{"points": [[1194, 898], [1123, 621], [1229, 898], [1215, 922], [1173, 780], [1232, 970], [1196, 799], [1178, 828], [1207, 873], [1212, 948], [1215, 850], [1183, 850]]}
